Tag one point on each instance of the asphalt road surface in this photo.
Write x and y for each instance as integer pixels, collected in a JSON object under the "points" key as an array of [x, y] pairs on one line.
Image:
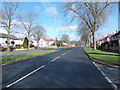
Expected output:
{"points": [[70, 68]]}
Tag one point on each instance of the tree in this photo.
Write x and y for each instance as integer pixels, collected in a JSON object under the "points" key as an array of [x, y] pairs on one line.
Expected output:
{"points": [[85, 34], [25, 43], [8, 15], [93, 14], [28, 20], [38, 32], [65, 38]]}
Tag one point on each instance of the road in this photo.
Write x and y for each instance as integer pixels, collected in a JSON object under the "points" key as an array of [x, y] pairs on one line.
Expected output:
{"points": [[69, 68]]}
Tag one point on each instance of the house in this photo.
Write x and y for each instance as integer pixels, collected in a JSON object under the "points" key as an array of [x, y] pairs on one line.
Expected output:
{"points": [[111, 42], [20, 41], [46, 43], [34, 42], [51, 42], [115, 42], [13, 40], [64, 43]]}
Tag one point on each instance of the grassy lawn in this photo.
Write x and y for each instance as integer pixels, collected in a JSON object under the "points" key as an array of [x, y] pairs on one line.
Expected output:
{"points": [[107, 57], [10, 59], [6, 52]]}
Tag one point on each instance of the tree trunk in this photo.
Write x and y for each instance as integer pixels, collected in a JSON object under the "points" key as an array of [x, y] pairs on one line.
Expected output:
{"points": [[28, 41], [38, 44], [89, 42], [94, 41], [8, 42]]}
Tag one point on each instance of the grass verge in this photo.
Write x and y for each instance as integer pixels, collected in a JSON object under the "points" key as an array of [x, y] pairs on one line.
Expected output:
{"points": [[11, 59], [106, 57], [6, 52]]}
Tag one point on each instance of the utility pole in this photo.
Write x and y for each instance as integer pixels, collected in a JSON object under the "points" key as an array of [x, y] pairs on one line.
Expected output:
{"points": [[54, 17]]}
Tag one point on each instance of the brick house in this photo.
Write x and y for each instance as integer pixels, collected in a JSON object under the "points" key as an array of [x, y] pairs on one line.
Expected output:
{"points": [[110, 43]]}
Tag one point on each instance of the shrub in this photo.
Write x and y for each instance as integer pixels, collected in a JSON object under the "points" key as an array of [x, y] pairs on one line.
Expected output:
{"points": [[19, 46], [25, 43], [31, 45], [3, 48], [11, 48]]}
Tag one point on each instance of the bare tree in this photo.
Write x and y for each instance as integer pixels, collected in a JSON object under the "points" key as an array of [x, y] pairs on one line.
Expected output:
{"points": [[65, 38], [85, 34], [38, 32], [93, 14], [8, 15], [28, 20]]}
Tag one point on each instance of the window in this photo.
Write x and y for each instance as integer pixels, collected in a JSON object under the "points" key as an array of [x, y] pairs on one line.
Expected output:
{"points": [[12, 42], [6, 42]]}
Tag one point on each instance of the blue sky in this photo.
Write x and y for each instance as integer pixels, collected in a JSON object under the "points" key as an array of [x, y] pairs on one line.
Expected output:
{"points": [[49, 9]]}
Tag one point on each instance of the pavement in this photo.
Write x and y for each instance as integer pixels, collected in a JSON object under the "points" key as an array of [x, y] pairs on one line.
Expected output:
{"points": [[70, 68], [23, 52]]}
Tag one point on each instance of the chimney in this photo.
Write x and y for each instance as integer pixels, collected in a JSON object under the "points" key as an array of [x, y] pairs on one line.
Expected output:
{"points": [[116, 31]]}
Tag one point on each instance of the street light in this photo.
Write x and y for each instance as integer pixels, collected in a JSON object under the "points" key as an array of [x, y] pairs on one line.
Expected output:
{"points": [[54, 17]]}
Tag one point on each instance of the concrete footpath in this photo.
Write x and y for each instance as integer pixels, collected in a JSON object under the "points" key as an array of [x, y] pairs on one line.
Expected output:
{"points": [[23, 52]]}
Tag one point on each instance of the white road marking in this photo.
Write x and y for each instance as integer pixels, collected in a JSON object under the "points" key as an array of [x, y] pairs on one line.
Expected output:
{"points": [[63, 53], [95, 64], [69, 51], [105, 75], [114, 86], [108, 79], [55, 58], [25, 76], [33, 71]]}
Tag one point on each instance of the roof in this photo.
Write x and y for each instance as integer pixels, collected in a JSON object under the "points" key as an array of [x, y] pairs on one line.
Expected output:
{"points": [[45, 39], [51, 40], [117, 33], [3, 35], [110, 35], [21, 39]]}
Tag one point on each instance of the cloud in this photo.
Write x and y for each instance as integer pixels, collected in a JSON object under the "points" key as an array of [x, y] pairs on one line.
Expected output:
{"points": [[2, 30], [69, 28], [37, 6], [74, 37], [52, 10]]}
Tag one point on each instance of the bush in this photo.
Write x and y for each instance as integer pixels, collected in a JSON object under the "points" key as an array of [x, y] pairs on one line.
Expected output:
{"points": [[25, 43], [19, 46], [53, 44], [31, 45], [11, 48], [2, 48]]}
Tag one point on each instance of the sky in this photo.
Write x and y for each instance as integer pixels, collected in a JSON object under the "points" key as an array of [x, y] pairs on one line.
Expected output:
{"points": [[55, 28]]}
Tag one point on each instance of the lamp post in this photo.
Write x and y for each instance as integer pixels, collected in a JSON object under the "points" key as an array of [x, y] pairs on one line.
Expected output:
{"points": [[54, 17]]}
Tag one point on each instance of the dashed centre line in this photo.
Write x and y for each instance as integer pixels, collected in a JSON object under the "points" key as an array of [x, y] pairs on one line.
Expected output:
{"points": [[34, 71], [25, 76]]}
